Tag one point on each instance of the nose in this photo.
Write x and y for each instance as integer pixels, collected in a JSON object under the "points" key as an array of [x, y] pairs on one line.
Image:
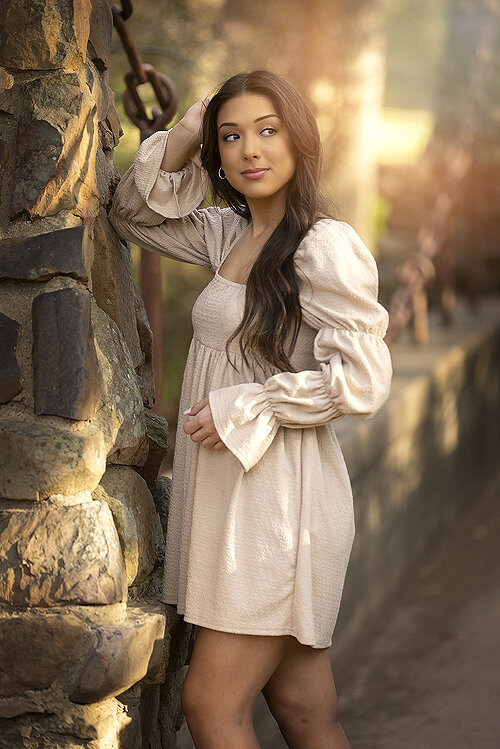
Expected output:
{"points": [[250, 148]]}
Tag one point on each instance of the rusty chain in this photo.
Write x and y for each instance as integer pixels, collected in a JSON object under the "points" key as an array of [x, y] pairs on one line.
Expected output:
{"points": [[140, 72]]}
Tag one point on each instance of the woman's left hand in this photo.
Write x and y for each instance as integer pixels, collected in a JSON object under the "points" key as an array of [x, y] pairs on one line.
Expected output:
{"points": [[201, 427]]}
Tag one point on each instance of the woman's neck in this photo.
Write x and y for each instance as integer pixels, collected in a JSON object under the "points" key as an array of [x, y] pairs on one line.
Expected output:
{"points": [[266, 214]]}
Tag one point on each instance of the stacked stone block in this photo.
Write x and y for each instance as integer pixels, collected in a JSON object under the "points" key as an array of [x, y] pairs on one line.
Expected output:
{"points": [[89, 656]]}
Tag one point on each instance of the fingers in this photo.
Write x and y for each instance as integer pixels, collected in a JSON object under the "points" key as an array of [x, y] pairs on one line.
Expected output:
{"points": [[197, 407], [205, 437], [197, 434], [210, 441], [201, 427], [201, 424], [192, 120]]}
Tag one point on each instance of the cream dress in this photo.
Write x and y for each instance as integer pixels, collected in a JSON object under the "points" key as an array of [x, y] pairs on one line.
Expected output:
{"points": [[259, 535]]}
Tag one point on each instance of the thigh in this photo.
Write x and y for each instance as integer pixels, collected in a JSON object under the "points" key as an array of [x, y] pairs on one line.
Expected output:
{"points": [[229, 670], [302, 684]]}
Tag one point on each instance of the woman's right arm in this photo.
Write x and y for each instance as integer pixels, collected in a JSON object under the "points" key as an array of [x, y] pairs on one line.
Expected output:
{"points": [[155, 203]]}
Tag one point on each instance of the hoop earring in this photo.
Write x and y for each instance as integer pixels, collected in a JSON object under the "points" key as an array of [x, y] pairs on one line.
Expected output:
{"points": [[219, 173]]}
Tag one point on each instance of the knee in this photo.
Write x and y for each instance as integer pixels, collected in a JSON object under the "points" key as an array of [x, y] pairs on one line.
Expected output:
{"points": [[297, 717], [204, 707]]}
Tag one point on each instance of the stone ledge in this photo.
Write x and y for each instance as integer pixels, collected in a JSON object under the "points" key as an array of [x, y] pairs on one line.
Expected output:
{"points": [[124, 654], [84, 650], [34, 649], [412, 464], [421, 375]]}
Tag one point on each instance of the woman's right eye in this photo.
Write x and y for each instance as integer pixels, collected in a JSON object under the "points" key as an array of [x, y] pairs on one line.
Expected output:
{"points": [[229, 136]]}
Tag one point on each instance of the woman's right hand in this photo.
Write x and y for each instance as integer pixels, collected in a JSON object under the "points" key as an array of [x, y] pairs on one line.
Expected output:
{"points": [[184, 138], [192, 120]]}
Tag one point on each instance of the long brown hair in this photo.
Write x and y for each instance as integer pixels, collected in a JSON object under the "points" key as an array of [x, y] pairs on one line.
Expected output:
{"points": [[272, 306]]}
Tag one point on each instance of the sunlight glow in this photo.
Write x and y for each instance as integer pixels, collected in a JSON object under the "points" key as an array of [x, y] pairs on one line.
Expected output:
{"points": [[402, 134]]}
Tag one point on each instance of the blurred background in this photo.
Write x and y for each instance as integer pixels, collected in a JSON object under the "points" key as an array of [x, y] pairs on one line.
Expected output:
{"points": [[391, 83], [407, 100]]}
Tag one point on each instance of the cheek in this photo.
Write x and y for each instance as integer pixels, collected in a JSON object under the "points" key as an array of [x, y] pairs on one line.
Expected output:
{"points": [[226, 157], [289, 163], [287, 158]]}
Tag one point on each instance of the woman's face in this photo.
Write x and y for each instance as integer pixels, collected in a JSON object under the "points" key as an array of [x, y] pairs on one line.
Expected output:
{"points": [[255, 148]]}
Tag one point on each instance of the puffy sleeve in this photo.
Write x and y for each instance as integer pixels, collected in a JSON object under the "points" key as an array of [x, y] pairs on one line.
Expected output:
{"points": [[339, 299], [158, 210]]}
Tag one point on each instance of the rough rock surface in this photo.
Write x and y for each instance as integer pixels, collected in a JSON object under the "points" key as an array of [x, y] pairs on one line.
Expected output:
{"points": [[124, 654], [10, 373], [101, 28], [66, 376], [162, 499], [56, 148], [69, 625], [6, 83], [112, 283], [36, 34], [120, 412], [158, 437], [170, 715], [54, 461], [54, 555], [68, 726], [37, 258], [35, 649], [136, 520], [145, 370]]}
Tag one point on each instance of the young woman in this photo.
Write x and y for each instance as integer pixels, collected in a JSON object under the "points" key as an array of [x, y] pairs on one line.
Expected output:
{"points": [[288, 337]]}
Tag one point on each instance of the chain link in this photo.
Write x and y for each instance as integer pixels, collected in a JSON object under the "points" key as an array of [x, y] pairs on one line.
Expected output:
{"points": [[163, 86]]}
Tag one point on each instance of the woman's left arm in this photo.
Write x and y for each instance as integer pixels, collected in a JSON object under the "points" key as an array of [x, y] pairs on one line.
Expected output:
{"points": [[339, 292]]}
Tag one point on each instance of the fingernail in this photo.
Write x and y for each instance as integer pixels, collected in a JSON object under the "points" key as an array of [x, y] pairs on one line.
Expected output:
{"points": [[188, 410]]}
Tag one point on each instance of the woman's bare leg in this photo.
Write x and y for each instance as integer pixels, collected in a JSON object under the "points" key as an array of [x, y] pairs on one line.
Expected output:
{"points": [[226, 673], [302, 697]]}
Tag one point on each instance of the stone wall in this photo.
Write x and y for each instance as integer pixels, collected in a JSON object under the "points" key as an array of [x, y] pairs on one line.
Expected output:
{"points": [[430, 449], [89, 656]]}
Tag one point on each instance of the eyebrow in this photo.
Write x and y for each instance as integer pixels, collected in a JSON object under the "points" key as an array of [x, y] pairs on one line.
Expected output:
{"points": [[235, 124]]}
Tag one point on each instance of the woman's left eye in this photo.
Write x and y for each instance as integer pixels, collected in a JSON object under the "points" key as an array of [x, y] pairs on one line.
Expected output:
{"points": [[231, 137]]}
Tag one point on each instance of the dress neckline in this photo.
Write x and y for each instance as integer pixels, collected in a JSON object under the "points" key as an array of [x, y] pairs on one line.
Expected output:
{"points": [[228, 280], [231, 245]]}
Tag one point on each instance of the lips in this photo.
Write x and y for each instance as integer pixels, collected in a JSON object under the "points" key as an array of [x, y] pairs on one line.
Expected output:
{"points": [[255, 173]]}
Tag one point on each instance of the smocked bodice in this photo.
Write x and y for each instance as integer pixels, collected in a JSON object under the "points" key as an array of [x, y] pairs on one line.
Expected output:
{"points": [[218, 311]]}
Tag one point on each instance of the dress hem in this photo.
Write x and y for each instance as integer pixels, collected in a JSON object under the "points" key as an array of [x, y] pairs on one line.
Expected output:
{"points": [[244, 630]]}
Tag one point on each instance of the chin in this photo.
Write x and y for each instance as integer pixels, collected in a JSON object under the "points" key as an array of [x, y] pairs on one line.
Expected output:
{"points": [[256, 190]]}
